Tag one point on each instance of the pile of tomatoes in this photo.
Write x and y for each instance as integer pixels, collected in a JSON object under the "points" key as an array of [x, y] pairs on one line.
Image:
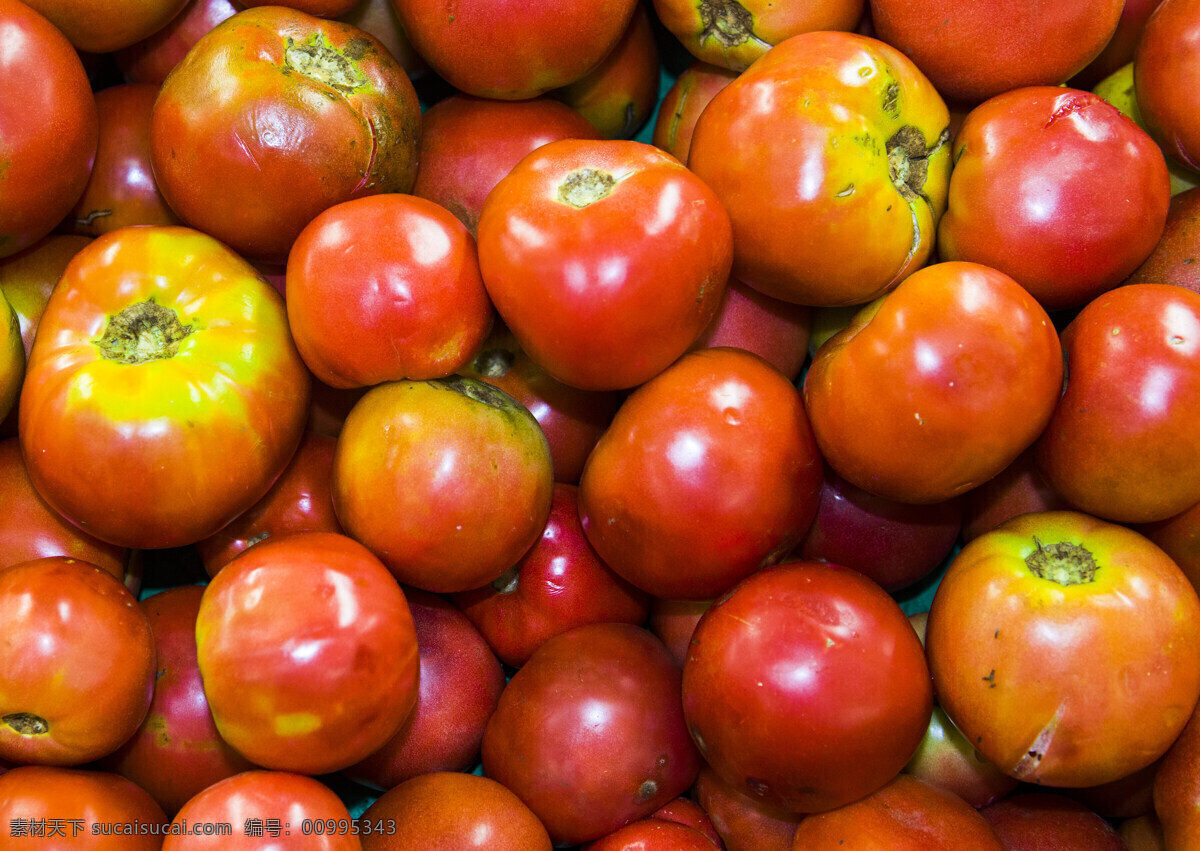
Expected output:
{"points": [[607, 425]]}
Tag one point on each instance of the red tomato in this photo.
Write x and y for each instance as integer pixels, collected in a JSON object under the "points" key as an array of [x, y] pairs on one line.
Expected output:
{"points": [[590, 733], [672, 499], [1018, 489], [308, 653], [152, 58], [386, 288], [937, 387], [1056, 188], [509, 51], [774, 685], [164, 394], [1031, 819], [652, 833], [979, 48], [452, 810], [947, 760], [102, 26], [1177, 788], [830, 136], [92, 810], [76, 663], [606, 259], [558, 584], [320, 8], [1165, 75], [449, 481], [177, 751], [681, 106], [247, 812], [1066, 649], [744, 823], [274, 116], [1122, 443], [777, 331], [48, 124]]}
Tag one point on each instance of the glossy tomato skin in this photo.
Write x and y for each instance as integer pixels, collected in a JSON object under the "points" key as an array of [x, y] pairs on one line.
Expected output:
{"points": [[670, 498], [147, 444], [681, 106], [1165, 73], [386, 288], [975, 50], [291, 622], [777, 331], [743, 823], [938, 386], [512, 51], [453, 810], [89, 806], [449, 481], [606, 259], [558, 584], [110, 25], [1056, 188], [176, 752], [152, 58], [1074, 684], [1173, 258], [1122, 443], [590, 732], [77, 665], [653, 833], [263, 797], [48, 123], [830, 136], [274, 116], [947, 760], [773, 685]]}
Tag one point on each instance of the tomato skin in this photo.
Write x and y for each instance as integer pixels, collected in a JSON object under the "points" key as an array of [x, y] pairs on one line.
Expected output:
{"points": [[102, 27], [28, 277], [78, 655], [606, 259], [12, 357], [1032, 818], [287, 625], [42, 85], [938, 386], [99, 800], [681, 106], [801, 150], [653, 833], [249, 142], [386, 288], [1057, 189], [1165, 74], [590, 732], [777, 331], [1177, 789], [671, 500], [448, 482], [773, 685], [743, 823], [152, 58], [1066, 685], [164, 452], [1122, 443]]}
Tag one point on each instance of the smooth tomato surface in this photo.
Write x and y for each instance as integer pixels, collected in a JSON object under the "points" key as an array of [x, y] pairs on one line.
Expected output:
{"points": [[164, 394], [1166, 70], [1065, 648]]}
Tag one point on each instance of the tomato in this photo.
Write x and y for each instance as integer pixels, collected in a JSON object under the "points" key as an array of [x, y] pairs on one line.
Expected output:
{"points": [[448, 481], [508, 51], [743, 822], [947, 760], [1121, 47], [91, 810], [937, 387], [590, 732], [1179, 536], [733, 35], [905, 815], [28, 277], [558, 584], [606, 259], [1165, 73], [1031, 818], [1018, 489], [42, 85], [152, 58], [320, 8], [12, 357], [1173, 259], [1177, 788], [164, 394], [249, 811], [1056, 188], [385, 288], [672, 500], [177, 751], [687, 812], [121, 190], [681, 106], [774, 681], [831, 135], [974, 50], [458, 688], [1065, 648], [777, 331], [290, 624], [274, 116], [76, 665], [452, 810], [379, 18], [102, 27], [674, 622], [653, 833], [1122, 443]]}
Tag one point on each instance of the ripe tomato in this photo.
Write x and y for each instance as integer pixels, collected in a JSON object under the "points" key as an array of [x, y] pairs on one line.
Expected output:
{"points": [[1065, 648], [107, 25], [76, 664], [1165, 73], [308, 653], [830, 136], [12, 357], [164, 394], [936, 387], [774, 685]]}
